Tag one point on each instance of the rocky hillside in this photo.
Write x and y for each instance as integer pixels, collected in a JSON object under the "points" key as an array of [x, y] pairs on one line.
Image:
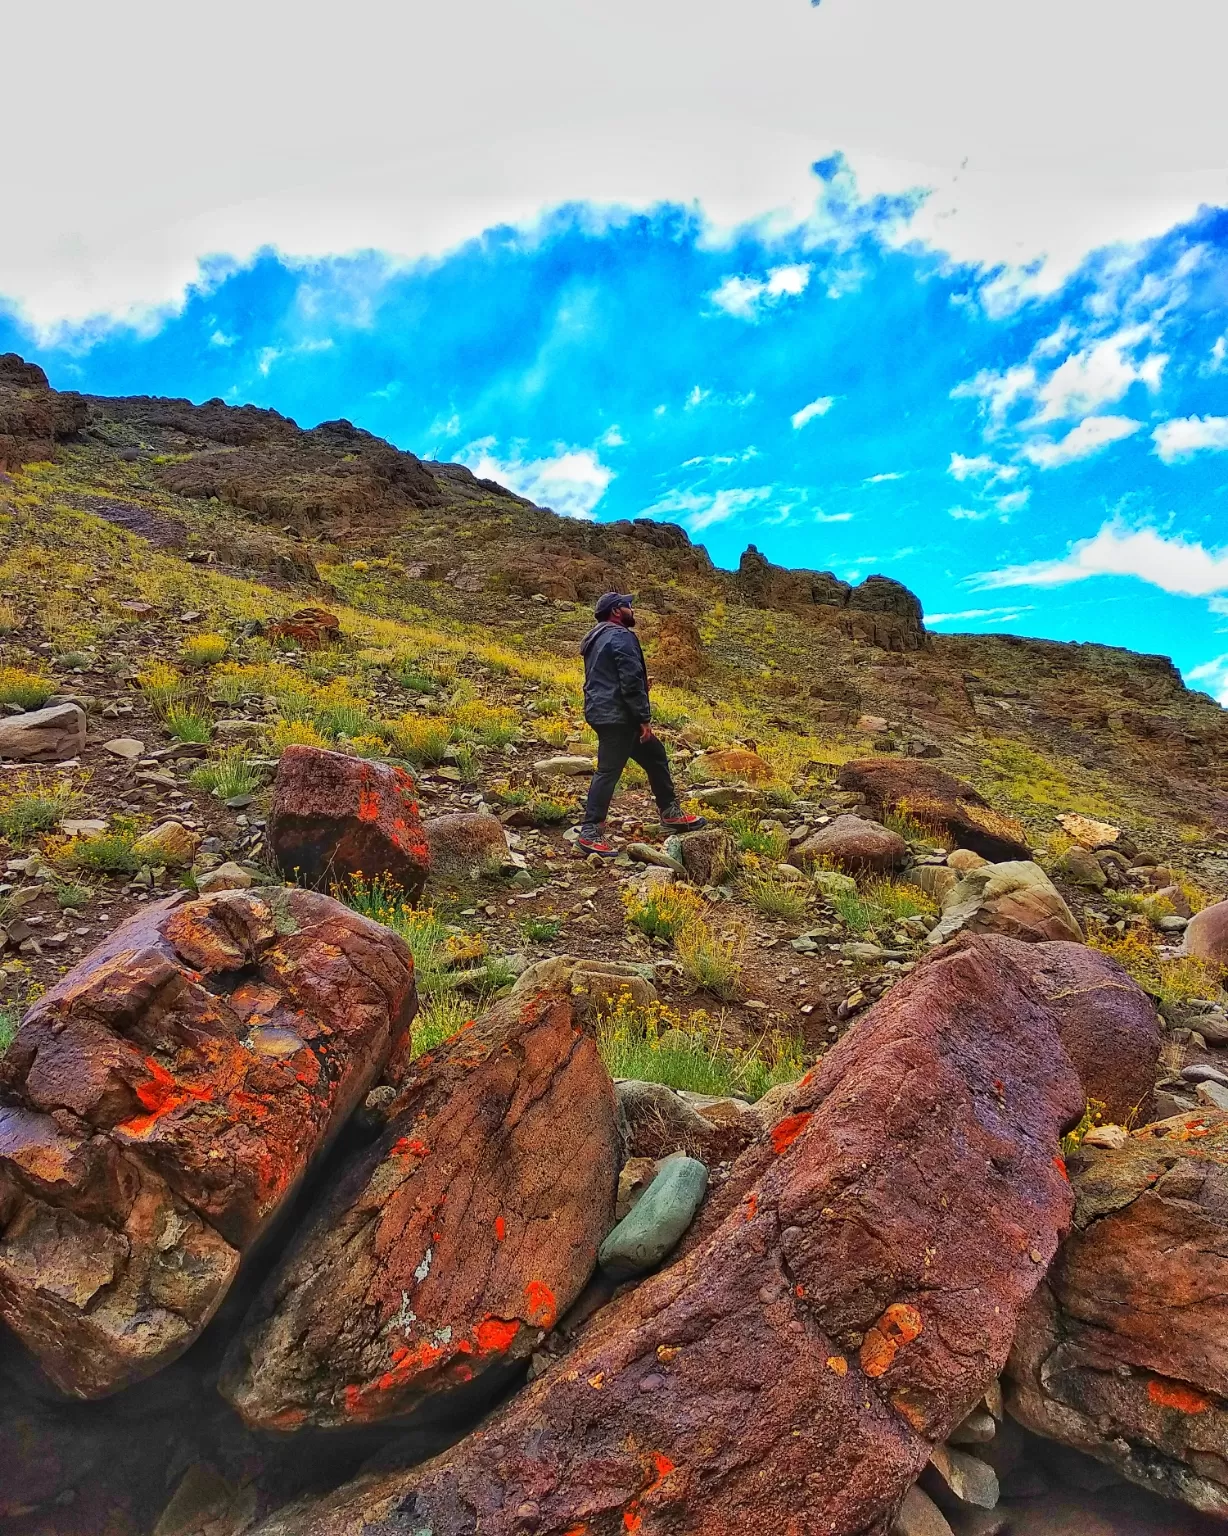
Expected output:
{"points": [[349, 1097]]}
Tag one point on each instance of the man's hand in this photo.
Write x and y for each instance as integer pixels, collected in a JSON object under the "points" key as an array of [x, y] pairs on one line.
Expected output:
{"points": [[646, 732]]}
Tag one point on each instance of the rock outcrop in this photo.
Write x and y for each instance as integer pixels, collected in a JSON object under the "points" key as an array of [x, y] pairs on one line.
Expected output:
{"points": [[1123, 1353], [337, 818], [449, 1247], [794, 1369], [33, 416], [879, 610], [161, 1103], [937, 799]]}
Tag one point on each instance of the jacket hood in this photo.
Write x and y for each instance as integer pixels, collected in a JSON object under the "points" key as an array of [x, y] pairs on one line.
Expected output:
{"points": [[593, 633]]}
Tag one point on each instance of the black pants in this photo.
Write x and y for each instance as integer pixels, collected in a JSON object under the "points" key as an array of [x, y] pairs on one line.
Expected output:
{"points": [[615, 744]]}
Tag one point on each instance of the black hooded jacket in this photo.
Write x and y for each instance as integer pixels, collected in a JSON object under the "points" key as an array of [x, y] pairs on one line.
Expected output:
{"points": [[615, 677]]}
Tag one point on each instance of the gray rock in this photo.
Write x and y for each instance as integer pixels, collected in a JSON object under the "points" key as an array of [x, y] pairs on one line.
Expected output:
{"points": [[645, 853], [564, 766], [226, 877], [968, 1479], [654, 1227], [126, 747], [978, 1428], [43, 735], [832, 883], [920, 1516], [1083, 868], [1213, 1094]]}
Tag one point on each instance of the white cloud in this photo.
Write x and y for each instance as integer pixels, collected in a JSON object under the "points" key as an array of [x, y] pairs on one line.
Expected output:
{"points": [[449, 426], [220, 339], [721, 460], [1174, 564], [993, 615], [316, 155], [998, 392], [1098, 375], [573, 481], [833, 517], [968, 468], [698, 510], [967, 514], [894, 474], [612, 438], [1219, 355], [1213, 677], [1080, 442], [748, 298], [819, 407], [697, 397], [1187, 435], [1013, 501]]}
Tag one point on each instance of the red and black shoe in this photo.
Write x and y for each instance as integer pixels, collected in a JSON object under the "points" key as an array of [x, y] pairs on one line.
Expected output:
{"points": [[591, 840], [677, 820]]}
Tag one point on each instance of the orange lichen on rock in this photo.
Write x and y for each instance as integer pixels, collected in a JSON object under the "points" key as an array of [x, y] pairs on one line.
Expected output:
{"points": [[1175, 1394], [543, 1308], [899, 1325], [785, 1132]]}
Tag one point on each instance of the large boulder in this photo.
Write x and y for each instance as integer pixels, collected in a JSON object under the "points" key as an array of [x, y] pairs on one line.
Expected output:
{"points": [[1124, 1352], [463, 841], [43, 735], [939, 800], [709, 857], [1016, 899], [1206, 935], [854, 1291], [163, 1101], [1108, 1024], [853, 843], [449, 1247], [336, 818]]}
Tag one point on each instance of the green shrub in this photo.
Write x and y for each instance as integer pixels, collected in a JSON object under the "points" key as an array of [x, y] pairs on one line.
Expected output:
{"points": [[9, 1020], [775, 896], [662, 911], [187, 724], [712, 960], [541, 930], [548, 812], [25, 689], [30, 803], [108, 853], [229, 775], [343, 718], [770, 843], [438, 1020]]}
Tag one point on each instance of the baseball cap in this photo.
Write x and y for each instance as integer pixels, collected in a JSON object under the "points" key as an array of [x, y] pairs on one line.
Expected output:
{"points": [[608, 601]]}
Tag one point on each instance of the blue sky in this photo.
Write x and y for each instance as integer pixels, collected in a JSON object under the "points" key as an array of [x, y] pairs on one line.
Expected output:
{"points": [[1037, 446]]}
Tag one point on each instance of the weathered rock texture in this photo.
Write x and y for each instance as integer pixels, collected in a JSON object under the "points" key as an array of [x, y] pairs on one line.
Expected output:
{"points": [[939, 800], [162, 1101], [1206, 938], [878, 609], [1124, 1352], [466, 839], [43, 735], [33, 416], [1108, 1024], [853, 843], [335, 818], [793, 1370], [453, 1244], [1016, 899]]}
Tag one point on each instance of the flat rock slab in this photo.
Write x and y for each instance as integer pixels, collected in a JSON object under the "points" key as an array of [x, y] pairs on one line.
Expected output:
{"points": [[159, 1105], [855, 1291], [451, 1246], [1123, 1353], [336, 818], [43, 735]]}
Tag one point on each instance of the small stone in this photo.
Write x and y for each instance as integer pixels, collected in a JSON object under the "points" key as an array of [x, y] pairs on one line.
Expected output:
{"points": [[1213, 1094], [656, 1224], [126, 747], [968, 1479], [226, 877], [1110, 1136], [978, 1428], [919, 1516], [564, 766], [82, 827]]}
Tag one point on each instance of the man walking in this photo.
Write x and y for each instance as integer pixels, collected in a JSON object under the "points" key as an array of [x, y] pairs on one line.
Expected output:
{"points": [[617, 706]]}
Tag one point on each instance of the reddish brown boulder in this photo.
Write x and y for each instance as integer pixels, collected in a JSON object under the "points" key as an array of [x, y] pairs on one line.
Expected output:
{"points": [[939, 800], [1107, 1022], [335, 818], [160, 1104], [463, 841], [1206, 936], [853, 843], [311, 628], [791, 1373], [1124, 1352], [452, 1245]]}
